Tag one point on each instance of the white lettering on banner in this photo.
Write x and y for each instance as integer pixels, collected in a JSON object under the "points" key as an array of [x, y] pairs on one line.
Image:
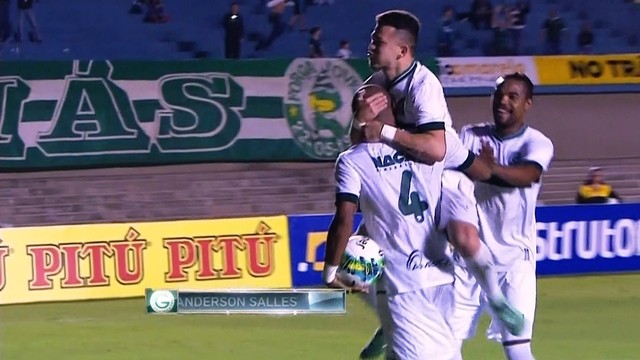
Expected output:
{"points": [[588, 239], [483, 71]]}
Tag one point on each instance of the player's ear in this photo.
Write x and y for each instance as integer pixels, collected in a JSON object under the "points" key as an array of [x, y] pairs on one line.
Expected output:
{"points": [[404, 51], [528, 103]]}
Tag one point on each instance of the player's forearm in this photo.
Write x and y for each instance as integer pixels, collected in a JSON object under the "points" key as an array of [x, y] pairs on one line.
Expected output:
{"points": [[429, 147], [479, 170], [518, 176], [337, 239]]}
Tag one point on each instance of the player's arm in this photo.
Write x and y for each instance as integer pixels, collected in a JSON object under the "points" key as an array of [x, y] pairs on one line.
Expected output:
{"points": [[428, 147], [537, 157], [427, 143], [459, 158], [520, 175], [478, 170], [347, 196], [339, 232]]}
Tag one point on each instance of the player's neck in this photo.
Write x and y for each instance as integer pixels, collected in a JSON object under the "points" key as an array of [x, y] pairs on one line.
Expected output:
{"points": [[393, 73], [509, 131]]}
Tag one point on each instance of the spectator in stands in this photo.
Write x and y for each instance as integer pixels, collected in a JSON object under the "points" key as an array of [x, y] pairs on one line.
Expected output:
{"points": [[155, 12], [595, 190], [518, 14], [480, 14], [500, 43], [137, 7], [233, 23], [315, 46], [298, 16], [25, 12], [5, 22], [276, 9], [344, 52], [585, 39], [552, 32], [446, 33]]}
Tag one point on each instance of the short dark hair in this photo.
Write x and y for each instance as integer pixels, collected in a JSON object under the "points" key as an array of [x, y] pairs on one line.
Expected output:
{"points": [[400, 20], [522, 78]]}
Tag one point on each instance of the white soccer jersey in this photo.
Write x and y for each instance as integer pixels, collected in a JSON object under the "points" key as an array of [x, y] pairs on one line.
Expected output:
{"points": [[418, 101], [507, 213], [399, 198]]}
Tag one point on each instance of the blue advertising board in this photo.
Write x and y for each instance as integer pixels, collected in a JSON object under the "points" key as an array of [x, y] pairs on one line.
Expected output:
{"points": [[308, 236], [572, 240], [583, 239]]}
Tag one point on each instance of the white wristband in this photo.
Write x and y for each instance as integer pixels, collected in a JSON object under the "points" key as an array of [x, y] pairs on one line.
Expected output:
{"points": [[388, 133], [329, 273]]}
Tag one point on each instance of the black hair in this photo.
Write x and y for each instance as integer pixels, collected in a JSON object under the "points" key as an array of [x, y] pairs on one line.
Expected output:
{"points": [[401, 20], [522, 78]]}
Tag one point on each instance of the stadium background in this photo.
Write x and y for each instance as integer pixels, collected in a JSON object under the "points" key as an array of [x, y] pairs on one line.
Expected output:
{"points": [[114, 141]]}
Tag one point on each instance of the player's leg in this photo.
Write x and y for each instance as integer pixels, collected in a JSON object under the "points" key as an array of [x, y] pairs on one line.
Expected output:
{"points": [[377, 345], [419, 327], [460, 218], [376, 299], [468, 308], [519, 285]]}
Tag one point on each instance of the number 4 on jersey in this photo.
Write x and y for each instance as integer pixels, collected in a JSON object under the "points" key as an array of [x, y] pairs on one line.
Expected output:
{"points": [[409, 202]]}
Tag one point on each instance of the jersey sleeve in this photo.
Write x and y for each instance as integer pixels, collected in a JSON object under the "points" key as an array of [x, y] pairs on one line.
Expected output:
{"points": [[540, 151], [348, 183], [457, 155], [466, 136], [430, 105]]}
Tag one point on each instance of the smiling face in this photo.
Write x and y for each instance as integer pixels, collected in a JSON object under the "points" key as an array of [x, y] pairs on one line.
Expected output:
{"points": [[510, 103]]}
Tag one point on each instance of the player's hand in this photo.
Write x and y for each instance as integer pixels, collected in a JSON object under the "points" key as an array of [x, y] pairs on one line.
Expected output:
{"points": [[371, 131], [337, 284], [486, 155], [370, 107]]}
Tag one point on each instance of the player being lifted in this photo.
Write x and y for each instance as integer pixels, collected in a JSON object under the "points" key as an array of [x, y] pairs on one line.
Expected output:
{"points": [[398, 199], [422, 119], [518, 155]]}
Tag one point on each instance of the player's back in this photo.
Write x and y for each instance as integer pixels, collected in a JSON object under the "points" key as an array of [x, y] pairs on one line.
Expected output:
{"points": [[506, 211], [398, 200]]}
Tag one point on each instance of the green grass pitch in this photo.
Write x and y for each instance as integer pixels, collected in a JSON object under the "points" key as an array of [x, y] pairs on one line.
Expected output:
{"points": [[585, 318]]}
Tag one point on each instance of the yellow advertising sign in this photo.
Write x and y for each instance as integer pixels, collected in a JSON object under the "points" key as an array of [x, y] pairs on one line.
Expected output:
{"points": [[81, 262], [589, 70]]}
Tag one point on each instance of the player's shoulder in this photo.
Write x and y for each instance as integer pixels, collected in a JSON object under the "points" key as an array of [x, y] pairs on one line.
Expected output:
{"points": [[538, 136], [377, 78], [350, 154], [477, 130], [424, 76]]}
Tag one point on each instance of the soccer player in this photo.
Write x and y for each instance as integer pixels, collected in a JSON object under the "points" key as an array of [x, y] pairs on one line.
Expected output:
{"points": [[398, 198], [422, 119], [518, 155]]}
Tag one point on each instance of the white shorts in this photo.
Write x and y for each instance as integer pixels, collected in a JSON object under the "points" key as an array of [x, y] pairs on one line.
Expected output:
{"points": [[417, 327], [519, 286], [458, 201]]}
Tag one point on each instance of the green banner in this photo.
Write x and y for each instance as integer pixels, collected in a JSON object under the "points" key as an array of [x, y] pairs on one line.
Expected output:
{"points": [[101, 113]]}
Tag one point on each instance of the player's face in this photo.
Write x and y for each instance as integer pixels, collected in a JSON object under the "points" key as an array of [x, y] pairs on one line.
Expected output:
{"points": [[383, 49], [510, 103]]}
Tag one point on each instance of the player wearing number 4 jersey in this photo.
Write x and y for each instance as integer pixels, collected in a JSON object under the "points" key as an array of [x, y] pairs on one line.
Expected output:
{"points": [[398, 198], [421, 121], [518, 155]]}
